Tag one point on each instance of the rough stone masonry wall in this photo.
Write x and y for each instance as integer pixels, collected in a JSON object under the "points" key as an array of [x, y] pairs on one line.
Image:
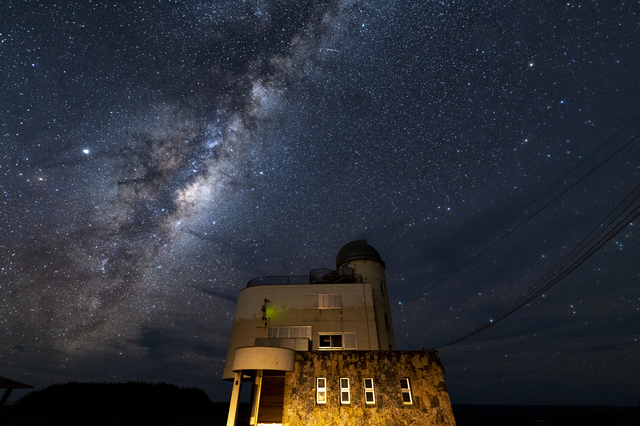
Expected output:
{"points": [[431, 405]]}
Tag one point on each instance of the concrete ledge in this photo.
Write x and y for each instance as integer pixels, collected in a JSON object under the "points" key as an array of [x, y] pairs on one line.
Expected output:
{"points": [[264, 358]]}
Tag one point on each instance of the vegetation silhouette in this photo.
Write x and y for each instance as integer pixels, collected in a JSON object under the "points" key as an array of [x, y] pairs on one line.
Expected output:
{"points": [[131, 403], [128, 396]]}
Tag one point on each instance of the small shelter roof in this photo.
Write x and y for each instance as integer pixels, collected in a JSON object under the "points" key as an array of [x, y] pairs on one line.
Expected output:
{"points": [[12, 384]]}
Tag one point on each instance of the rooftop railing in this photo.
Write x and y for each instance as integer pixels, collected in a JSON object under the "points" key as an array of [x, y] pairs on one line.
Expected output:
{"points": [[326, 277]]}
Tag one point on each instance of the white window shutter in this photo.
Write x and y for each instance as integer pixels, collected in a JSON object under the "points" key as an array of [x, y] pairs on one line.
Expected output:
{"points": [[349, 341], [336, 301]]}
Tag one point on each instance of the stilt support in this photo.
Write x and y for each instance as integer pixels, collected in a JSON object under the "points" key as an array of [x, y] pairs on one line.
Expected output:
{"points": [[257, 389], [235, 397]]}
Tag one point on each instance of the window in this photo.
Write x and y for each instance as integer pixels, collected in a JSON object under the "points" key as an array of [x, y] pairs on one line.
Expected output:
{"points": [[349, 340], [329, 301], [292, 332], [330, 341], [321, 390], [337, 340], [345, 393], [369, 396], [405, 387]]}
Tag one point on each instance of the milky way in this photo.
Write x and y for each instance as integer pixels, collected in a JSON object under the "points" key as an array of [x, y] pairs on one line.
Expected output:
{"points": [[155, 157]]}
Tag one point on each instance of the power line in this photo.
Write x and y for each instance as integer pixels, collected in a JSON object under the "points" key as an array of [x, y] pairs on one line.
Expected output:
{"points": [[524, 209], [575, 258]]}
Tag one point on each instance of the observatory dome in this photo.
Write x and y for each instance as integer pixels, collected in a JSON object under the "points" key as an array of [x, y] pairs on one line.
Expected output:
{"points": [[357, 250]]}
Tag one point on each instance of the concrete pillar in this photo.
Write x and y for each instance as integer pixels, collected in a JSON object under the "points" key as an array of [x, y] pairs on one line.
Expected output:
{"points": [[235, 397], [6, 396], [255, 398]]}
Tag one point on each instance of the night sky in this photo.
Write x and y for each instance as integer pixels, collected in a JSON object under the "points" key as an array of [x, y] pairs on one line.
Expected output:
{"points": [[156, 155]]}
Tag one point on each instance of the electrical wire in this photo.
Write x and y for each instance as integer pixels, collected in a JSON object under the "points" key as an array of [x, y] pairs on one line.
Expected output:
{"points": [[405, 302], [568, 264]]}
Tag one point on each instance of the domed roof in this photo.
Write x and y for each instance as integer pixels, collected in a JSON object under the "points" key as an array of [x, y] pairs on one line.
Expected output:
{"points": [[356, 250]]}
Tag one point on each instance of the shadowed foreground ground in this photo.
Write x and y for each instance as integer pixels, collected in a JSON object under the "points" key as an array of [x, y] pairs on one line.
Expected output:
{"points": [[106, 404], [545, 415]]}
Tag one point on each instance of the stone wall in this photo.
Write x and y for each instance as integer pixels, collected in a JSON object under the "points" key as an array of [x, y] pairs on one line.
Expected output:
{"points": [[431, 405]]}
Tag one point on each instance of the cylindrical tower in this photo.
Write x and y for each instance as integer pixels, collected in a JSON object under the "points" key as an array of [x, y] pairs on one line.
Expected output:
{"points": [[366, 262]]}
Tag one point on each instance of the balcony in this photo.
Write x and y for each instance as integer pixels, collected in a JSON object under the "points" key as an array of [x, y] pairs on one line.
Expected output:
{"points": [[298, 345]]}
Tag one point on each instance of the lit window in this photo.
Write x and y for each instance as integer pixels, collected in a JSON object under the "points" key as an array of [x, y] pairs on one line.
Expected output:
{"points": [[406, 391], [345, 393], [369, 396], [337, 340], [329, 301], [321, 390]]}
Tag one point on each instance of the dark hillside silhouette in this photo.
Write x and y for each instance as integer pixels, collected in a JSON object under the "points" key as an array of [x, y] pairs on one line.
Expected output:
{"points": [[132, 403], [131, 396]]}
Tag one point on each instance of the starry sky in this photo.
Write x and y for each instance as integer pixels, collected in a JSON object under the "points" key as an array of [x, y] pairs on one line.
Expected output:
{"points": [[156, 155]]}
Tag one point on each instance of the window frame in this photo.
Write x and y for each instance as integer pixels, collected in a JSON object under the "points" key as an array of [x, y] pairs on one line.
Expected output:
{"points": [[369, 390], [351, 338], [329, 301], [321, 390], [345, 390], [289, 332], [406, 391]]}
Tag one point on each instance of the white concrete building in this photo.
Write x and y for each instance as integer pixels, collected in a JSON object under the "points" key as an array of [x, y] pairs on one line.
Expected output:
{"points": [[342, 309], [338, 322]]}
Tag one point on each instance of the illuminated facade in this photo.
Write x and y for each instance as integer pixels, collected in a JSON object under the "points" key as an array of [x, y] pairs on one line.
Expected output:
{"points": [[319, 346]]}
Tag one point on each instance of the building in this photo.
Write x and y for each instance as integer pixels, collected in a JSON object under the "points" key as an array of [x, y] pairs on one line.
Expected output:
{"points": [[320, 349]]}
